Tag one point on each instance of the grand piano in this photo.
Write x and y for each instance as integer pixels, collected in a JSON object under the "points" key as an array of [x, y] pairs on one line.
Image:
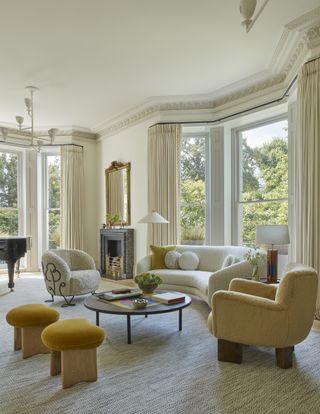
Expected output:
{"points": [[11, 251]]}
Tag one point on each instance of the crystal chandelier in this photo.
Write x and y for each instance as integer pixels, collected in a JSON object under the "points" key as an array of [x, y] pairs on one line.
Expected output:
{"points": [[40, 140]]}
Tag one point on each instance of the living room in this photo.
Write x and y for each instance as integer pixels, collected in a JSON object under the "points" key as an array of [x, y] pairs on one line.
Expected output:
{"points": [[212, 115]]}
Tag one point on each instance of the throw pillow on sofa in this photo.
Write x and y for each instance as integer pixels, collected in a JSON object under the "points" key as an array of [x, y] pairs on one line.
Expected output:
{"points": [[230, 260], [158, 255], [188, 261], [171, 259]]}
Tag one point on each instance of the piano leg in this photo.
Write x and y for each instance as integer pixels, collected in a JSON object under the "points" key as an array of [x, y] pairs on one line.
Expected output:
{"points": [[18, 268], [11, 274]]}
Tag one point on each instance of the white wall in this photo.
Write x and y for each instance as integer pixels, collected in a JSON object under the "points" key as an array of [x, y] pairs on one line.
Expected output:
{"points": [[129, 145]]}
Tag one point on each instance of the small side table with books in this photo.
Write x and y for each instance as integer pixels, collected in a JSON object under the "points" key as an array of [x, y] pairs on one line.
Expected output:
{"points": [[115, 305]]}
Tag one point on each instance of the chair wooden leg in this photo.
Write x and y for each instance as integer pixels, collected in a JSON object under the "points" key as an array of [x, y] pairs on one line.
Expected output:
{"points": [[17, 339], [229, 351], [31, 341], [284, 357], [78, 366], [55, 364]]}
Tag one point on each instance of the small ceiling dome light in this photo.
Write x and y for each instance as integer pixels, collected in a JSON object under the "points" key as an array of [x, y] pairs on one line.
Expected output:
{"points": [[247, 10]]}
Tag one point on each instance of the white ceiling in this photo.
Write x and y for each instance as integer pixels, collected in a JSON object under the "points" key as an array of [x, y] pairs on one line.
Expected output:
{"points": [[94, 59]]}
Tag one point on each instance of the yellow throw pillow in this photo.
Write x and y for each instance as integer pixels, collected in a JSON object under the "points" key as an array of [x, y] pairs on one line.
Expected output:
{"points": [[158, 255]]}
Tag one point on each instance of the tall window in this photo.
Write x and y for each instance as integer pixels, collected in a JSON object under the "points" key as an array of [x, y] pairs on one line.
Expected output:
{"points": [[193, 194], [9, 194], [53, 174], [263, 179]]}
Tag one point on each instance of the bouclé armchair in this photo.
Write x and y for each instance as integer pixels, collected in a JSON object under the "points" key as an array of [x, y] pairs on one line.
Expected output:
{"points": [[253, 313], [69, 273]]}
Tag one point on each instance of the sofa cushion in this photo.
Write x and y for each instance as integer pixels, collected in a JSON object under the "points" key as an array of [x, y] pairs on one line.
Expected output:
{"points": [[230, 260], [84, 281], [172, 259], [192, 278], [188, 261], [158, 255]]}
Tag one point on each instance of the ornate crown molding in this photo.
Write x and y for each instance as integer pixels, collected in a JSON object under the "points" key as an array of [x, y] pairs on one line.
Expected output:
{"points": [[66, 133], [299, 36]]}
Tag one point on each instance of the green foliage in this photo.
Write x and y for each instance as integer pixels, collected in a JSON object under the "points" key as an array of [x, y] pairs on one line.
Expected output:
{"points": [[54, 186], [265, 177], [147, 279], [193, 159], [193, 210], [9, 225]]}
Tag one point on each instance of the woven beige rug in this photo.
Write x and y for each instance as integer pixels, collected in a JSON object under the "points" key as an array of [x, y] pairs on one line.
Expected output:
{"points": [[164, 371]]}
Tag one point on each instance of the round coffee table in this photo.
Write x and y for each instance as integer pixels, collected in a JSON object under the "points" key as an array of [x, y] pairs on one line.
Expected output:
{"points": [[99, 306]]}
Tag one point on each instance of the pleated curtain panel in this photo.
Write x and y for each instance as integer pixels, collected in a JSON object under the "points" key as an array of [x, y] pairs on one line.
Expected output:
{"points": [[164, 152], [72, 178], [307, 169]]}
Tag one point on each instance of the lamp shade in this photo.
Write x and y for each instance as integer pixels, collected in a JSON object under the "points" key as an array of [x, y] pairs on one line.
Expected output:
{"points": [[154, 218], [277, 234]]}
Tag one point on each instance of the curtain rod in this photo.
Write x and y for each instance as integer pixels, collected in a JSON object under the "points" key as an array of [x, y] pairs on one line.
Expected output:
{"points": [[278, 100]]}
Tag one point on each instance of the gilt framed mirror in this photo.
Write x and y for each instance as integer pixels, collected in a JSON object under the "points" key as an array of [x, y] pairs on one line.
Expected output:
{"points": [[118, 193]]}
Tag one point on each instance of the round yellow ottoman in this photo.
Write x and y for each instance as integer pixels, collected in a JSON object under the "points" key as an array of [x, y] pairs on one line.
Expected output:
{"points": [[73, 344], [29, 322]]}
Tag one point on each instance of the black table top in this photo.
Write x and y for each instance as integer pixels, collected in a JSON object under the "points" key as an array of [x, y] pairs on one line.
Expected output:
{"points": [[94, 304]]}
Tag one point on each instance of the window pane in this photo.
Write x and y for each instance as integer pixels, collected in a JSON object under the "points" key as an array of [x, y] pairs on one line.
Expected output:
{"points": [[54, 181], [9, 222], [54, 228], [264, 176], [261, 213], [193, 196], [265, 162], [8, 180]]}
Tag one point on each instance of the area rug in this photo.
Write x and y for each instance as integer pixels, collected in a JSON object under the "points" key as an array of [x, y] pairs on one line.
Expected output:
{"points": [[163, 371]]}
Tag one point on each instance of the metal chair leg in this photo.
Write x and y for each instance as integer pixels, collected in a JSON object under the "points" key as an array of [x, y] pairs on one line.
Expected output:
{"points": [[68, 302]]}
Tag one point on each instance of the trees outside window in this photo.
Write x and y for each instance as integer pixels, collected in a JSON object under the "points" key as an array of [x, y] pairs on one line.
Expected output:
{"points": [[9, 206], [263, 179], [53, 201], [193, 194]]}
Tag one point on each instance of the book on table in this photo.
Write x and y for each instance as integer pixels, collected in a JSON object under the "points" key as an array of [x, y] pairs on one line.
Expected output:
{"points": [[127, 303], [118, 294], [169, 298]]}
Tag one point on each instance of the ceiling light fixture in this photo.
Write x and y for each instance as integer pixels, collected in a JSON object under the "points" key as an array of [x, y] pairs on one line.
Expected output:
{"points": [[29, 102], [247, 9]]}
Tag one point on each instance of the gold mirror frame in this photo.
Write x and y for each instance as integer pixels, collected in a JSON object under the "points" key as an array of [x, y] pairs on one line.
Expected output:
{"points": [[114, 167]]}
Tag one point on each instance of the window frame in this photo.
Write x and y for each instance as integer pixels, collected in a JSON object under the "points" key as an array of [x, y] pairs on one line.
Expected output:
{"points": [[45, 196], [21, 196], [236, 174], [206, 135]]}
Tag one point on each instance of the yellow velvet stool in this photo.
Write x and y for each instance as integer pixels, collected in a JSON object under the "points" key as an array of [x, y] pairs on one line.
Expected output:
{"points": [[29, 322], [73, 344]]}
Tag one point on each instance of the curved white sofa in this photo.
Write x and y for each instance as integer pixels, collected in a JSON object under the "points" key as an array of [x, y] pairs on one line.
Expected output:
{"points": [[209, 276]]}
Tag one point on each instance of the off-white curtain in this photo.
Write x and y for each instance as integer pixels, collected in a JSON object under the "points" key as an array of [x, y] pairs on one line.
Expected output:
{"points": [[307, 169], [164, 149], [72, 178]]}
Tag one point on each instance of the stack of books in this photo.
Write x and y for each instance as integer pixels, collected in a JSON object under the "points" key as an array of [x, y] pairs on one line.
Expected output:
{"points": [[169, 298]]}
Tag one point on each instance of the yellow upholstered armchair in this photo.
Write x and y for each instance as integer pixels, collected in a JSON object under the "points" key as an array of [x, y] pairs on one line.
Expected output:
{"points": [[253, 313]]}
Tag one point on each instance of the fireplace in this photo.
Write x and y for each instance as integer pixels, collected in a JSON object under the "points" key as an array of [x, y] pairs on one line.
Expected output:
{"points": [[116, 246]]}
